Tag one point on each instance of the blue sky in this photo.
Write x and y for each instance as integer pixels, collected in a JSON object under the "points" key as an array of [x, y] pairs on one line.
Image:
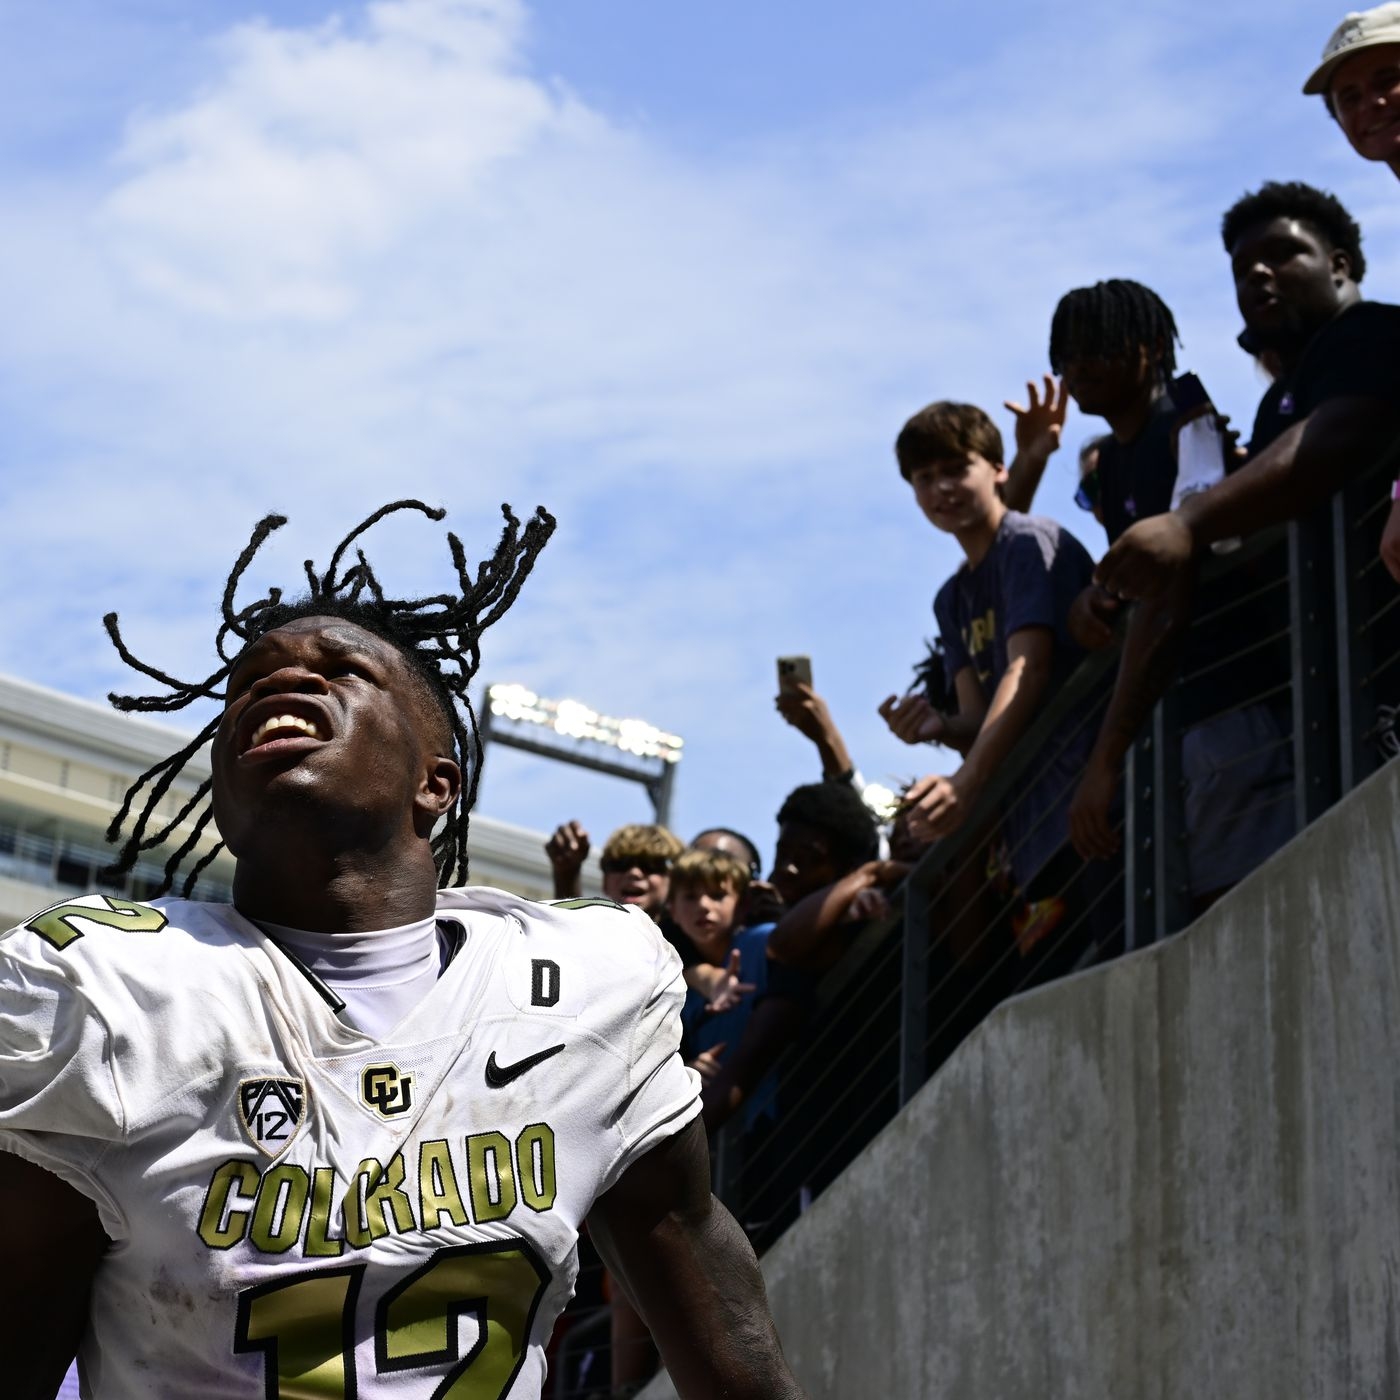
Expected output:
{"points": [[679, 273]]}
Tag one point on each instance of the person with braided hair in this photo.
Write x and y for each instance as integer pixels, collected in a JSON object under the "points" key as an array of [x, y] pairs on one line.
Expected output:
{"points": [[338, 1138], [1115, 343]]}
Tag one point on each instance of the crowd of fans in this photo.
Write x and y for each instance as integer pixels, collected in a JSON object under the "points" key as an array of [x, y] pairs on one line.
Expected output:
{"points": [[1170, 485]]}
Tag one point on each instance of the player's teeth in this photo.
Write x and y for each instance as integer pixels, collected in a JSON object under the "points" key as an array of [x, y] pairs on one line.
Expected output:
{"points": [[283, 722]]}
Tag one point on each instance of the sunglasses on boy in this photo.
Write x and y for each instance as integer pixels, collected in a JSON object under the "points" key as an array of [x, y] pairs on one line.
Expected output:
{"points": [[648, 865]]}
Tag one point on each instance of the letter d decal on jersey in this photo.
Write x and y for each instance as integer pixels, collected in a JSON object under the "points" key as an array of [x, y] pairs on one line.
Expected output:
{"points": [[544, 982]]}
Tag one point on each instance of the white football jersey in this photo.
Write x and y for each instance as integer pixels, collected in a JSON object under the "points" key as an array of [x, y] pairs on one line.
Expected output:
{"points": [[300, 1211]]}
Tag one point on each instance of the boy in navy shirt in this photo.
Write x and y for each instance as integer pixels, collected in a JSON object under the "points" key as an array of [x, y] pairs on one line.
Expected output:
{"points": [[1004, 618]]}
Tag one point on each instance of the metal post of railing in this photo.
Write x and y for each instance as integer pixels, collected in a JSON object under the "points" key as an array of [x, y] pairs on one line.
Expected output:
{"points": [[1139, 858], [1170, 878], [913, 990], [1314, 757], [1355, 658]]}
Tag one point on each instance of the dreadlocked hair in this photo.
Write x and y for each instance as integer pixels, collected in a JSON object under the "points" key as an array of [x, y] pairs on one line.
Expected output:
{"points": [[439, 637], [931, 677], [1111, 319]]}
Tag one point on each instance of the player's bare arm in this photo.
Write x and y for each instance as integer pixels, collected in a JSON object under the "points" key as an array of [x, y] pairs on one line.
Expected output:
{"points": [[685, 1260], [50, 1248]]}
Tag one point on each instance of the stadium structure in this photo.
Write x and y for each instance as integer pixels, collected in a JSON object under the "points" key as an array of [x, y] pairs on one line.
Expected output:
{"points": [[65, 764]]}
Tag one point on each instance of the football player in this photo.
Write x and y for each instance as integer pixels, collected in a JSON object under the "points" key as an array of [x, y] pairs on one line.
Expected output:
{"points": [[337, 1138]]}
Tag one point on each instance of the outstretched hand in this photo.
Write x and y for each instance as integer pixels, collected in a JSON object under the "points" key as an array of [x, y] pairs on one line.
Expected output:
{"points": [[729, 989], [1040, 421]]}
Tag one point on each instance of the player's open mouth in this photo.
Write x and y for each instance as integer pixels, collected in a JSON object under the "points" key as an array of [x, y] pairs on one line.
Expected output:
{"points": [[283, 730], [278, 725]]}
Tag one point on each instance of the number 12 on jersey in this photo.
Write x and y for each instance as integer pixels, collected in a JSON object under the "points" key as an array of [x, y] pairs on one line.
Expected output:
{"points": [[305, 1325]]}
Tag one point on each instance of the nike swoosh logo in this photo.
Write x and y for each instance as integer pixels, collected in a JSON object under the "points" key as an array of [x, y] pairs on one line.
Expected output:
{"points": [[498, 1076]]}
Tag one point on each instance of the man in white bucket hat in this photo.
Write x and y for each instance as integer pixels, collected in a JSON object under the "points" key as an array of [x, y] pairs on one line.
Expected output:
{"points": [[1358, 77]]}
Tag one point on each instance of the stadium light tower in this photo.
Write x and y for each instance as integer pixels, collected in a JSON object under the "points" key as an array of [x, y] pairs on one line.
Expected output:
{"points": [[571, 732]]}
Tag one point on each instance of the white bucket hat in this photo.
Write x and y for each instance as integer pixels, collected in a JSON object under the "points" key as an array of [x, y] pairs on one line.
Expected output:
{"points": [[1363, 29]]}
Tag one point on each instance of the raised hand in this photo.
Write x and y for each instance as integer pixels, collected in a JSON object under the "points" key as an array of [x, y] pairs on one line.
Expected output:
{"points": [[1040, 420], [568, 846], [804, 709], [728, 990]]}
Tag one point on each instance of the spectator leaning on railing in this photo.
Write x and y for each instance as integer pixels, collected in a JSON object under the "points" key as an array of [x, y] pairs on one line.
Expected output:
{"points": [[1115, 345], [826, 837], [1004, 617], [825, 832], [1296, 258]]}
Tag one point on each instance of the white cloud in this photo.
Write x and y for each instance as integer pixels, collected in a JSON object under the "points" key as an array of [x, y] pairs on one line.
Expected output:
{"points": [[380, 255]]}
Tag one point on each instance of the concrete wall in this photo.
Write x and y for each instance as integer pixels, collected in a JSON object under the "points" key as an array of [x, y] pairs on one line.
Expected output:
{"points": [[1178, 1176]]}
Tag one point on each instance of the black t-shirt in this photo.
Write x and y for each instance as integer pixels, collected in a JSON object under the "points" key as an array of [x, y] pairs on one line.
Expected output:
{"points": [[1136, 481], [1357, 355], [1030, 577], [1136, 478]]}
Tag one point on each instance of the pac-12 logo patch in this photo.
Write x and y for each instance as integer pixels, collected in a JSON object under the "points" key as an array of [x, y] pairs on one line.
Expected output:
{"points": [[271, 1111], [386, 1090]]}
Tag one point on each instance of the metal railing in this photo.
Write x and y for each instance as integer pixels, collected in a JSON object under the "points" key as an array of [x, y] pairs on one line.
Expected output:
{"points": [[1293, 650]]}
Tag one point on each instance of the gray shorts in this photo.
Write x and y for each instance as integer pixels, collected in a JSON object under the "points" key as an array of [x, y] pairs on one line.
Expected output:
{"points": [[1238, 769]]}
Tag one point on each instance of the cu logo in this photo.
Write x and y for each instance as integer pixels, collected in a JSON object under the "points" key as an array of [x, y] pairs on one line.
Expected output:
{"points": [[386, 1091]]}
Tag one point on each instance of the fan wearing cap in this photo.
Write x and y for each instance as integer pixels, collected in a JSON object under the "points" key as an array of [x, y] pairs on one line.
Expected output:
{"points": [[1359, 80]]}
